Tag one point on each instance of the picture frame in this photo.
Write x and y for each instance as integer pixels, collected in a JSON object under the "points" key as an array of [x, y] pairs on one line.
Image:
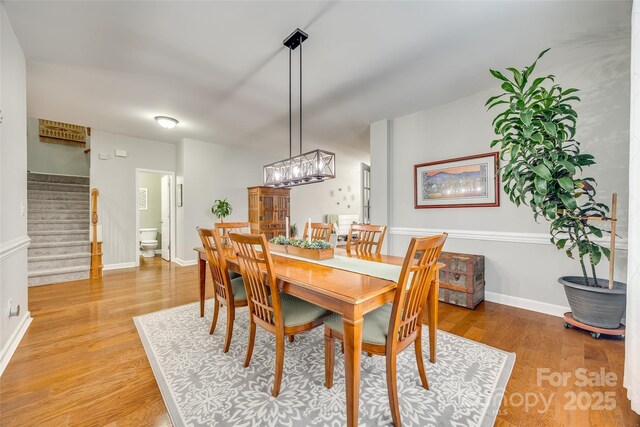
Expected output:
{"points": [[462, 182], [179, 195]]}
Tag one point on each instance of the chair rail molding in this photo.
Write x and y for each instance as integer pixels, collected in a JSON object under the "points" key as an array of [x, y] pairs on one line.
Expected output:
{"points": [[13, 246], [492, 236]]}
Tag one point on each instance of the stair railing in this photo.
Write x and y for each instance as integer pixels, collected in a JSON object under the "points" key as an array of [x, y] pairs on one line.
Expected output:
{"points": [[96, 246]]}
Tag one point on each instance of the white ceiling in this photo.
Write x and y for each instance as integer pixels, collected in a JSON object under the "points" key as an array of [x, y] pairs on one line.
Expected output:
{"points": [[220, 67]]}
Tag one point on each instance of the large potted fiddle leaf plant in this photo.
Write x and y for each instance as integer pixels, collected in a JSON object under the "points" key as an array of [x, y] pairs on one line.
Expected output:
{"points": [[544, 168]]}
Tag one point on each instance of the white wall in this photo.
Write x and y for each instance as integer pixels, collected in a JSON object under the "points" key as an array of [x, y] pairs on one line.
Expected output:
{"points": [[208, 172], [463, 127], [342, 195], [54, 158], [13, 190], [115, 178]]}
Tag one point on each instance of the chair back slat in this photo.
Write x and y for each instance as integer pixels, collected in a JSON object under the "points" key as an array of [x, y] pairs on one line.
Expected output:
{"points": [[212, 243], [256, 267], [368, 238], [319, 231], [224, 228], [418, 272]]}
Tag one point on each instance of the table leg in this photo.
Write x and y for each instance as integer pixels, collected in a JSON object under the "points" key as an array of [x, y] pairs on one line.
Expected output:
{"points": [[432, 305], [352, 338], [202, 268]]}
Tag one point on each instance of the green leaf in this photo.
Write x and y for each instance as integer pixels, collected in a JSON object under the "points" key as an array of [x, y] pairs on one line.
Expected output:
{"points": [[513, 153], [596, 231], [596, 255], [542, 171], [561, 243], [508, 87], [517, 75], [606, 252], [568, 166], [540, 184], [525, 117], [498, 75], [550, 127], [569, 201], [566, 184], [537, 137]]}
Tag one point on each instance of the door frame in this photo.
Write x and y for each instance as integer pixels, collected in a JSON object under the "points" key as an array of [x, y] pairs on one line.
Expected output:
{"points": [[172, 211]]}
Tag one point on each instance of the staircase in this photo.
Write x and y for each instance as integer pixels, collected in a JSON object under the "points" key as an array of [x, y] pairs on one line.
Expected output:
{"points": [[58, 225]]}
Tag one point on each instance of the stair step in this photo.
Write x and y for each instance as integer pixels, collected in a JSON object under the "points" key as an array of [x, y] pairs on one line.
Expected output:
{"points": [[57, 275], [57, 187], [58, 214], [58, 236], [57, 195], [54, 204], [49, 262], [66, 179], [58, 248], [58, 225]]}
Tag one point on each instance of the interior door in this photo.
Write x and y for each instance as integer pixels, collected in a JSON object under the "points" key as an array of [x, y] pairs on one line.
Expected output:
{"points": [[165, 217]]}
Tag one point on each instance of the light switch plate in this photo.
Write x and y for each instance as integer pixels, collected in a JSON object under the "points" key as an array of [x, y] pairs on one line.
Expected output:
{"points": [[103, 156], [121, 153]]}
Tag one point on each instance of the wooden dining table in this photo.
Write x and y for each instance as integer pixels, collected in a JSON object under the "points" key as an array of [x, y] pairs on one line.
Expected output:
{"points": [[347, 293]]}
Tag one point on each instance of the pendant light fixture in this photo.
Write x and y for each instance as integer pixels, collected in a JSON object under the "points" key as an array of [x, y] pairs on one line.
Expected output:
{"points": [[305, 168]]}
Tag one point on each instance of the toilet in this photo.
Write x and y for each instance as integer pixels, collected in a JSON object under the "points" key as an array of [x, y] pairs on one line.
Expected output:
{"points": [[148, 242]]}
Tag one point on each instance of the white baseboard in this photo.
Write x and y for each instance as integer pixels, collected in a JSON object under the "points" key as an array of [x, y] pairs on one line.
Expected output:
{"points": [[118, 266], [14, 340], [527, 304], [183, 263]]}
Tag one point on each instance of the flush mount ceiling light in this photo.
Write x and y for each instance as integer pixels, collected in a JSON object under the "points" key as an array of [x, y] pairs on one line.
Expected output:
{"points": [[166, 122], [305, 168]]}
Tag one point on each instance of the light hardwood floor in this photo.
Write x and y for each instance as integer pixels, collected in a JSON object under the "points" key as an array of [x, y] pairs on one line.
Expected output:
{"points": [[81, 362]]}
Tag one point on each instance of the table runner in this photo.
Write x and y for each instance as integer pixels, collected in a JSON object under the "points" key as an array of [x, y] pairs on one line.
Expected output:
{"points": [[368, 268]]}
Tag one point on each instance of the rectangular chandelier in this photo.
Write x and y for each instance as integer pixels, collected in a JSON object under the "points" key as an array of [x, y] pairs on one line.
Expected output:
{"points": [[308, 168]]}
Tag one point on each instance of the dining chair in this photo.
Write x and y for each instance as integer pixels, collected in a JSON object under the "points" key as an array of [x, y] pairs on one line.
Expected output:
{"points": [[319, 231], [228, 292], [224, 228], [390, 329], [277, 312], [368, 238]]}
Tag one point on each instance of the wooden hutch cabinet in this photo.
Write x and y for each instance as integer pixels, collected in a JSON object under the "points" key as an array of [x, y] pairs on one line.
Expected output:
{"points": [[268, 210]]}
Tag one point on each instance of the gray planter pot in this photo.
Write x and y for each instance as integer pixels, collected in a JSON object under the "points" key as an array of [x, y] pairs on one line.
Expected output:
{"points": [[596, 306]]}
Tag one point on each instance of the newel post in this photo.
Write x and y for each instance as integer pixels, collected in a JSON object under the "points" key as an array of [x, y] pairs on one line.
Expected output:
{"points": [[96, 247]]}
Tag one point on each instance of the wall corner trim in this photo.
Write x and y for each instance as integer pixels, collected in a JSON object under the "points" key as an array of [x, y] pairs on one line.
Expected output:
{"points": [[490, 236], [526, 304], [12, 344], [13, 246], [185, 263]]}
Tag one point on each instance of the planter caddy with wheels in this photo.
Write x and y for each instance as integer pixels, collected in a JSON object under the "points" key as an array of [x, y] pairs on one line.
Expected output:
{"points": [[544, 170]]}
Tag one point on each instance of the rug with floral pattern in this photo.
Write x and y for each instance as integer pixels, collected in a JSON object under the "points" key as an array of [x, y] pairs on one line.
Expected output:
{"points": [[202, 386]]}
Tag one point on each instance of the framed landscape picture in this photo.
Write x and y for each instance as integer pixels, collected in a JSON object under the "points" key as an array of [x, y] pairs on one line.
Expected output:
{"points": [[463, 182]]}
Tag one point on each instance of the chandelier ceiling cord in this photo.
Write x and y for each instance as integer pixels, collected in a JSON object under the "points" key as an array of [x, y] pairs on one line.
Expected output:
{"points": [[305, 168]]}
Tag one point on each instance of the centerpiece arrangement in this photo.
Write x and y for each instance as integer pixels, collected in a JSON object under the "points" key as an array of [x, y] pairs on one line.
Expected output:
{"points": [[312, 249]]}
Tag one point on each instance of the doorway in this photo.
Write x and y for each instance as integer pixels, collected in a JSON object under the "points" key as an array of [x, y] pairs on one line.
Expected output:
{"points": [[155, 217]]}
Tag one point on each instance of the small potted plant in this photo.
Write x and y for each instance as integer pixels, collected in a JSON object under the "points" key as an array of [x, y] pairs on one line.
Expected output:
{"points": [[293, 231], [221, 209], [543, 165]]}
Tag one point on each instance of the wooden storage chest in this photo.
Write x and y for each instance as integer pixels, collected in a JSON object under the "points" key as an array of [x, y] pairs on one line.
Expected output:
{"points": [[462, 279]]}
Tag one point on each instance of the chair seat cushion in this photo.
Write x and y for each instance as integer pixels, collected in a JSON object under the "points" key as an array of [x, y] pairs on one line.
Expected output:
{"points": [[375, 325], [237, 287], [297, 312]]}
